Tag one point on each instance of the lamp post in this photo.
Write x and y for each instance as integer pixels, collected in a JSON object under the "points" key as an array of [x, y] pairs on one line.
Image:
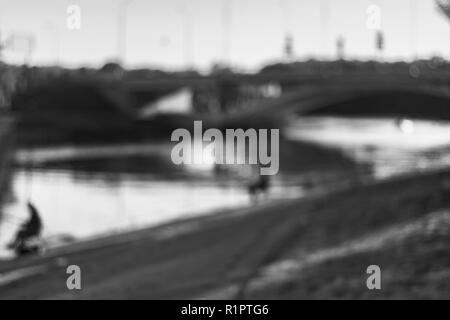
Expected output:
{"points": [[414, 22], [187, 32], [226, 19], [324, 18], [122, 30], [50, 26]]}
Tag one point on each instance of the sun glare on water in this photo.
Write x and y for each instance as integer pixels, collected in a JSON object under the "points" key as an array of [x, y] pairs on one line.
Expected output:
{"points": [[406, 126]]}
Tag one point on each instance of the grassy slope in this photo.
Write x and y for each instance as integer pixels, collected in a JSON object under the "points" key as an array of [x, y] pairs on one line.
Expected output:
{"points": [[231, 250]]}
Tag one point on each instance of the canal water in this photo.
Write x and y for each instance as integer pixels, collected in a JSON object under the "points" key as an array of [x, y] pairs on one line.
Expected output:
{"points": [[85, 192], [111, 189], [389, 146]]}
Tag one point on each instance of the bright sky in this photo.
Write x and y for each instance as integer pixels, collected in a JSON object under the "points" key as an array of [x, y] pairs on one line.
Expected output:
{"points": [[175, 33]]}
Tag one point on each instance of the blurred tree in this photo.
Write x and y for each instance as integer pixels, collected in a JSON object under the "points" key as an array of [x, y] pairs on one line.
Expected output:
{"points": [[444, 6], [113, 69]]}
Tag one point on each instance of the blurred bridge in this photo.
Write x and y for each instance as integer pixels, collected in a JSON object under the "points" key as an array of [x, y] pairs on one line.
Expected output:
{"points": [[105, 107], [304, 93]]}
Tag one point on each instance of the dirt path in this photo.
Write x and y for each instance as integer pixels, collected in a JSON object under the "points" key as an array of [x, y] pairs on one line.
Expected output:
{"points": [[225, 255]]}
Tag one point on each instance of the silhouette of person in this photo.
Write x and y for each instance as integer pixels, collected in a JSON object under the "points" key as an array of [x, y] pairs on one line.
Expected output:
{"points": [[261, 184], [30, 228]]}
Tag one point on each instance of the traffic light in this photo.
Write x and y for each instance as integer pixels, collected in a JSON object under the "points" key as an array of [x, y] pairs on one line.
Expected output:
{"points": [[379, 40]]}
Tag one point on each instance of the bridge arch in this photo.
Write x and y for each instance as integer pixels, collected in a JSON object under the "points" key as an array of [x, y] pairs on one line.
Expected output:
{"points": [[403, 99]]}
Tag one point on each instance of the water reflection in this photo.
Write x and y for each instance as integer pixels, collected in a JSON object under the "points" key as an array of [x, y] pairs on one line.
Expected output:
{"points": [[82, 194], [76, 204], [391, 146], [85, 206]]}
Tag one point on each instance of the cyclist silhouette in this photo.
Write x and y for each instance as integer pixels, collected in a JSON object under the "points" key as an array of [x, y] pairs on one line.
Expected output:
{"points": [[28, 230]]}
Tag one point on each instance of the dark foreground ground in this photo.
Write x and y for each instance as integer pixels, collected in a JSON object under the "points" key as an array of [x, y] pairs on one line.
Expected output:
{"points": [[314, 248]]}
